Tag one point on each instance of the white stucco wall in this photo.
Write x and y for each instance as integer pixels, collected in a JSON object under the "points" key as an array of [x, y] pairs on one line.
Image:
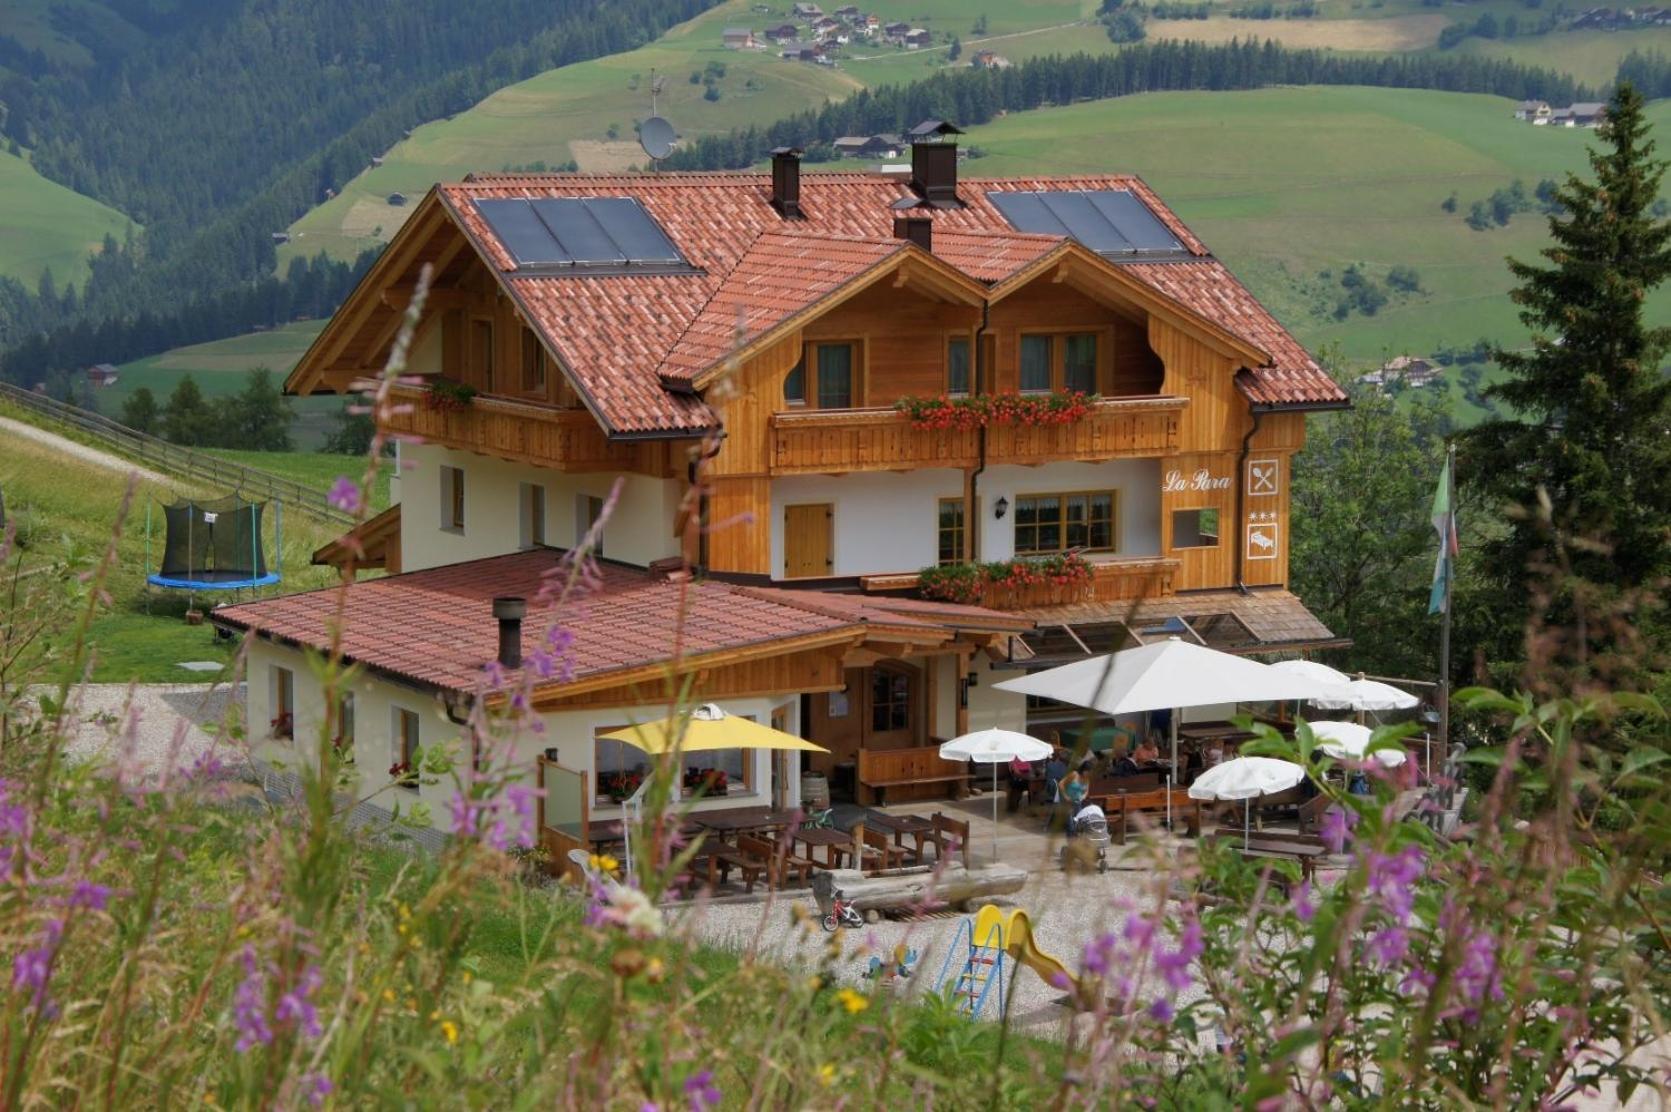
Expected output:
{"points": [[1136, 480], [375, 702], [992, 709], [640, 529], [886, 522]]}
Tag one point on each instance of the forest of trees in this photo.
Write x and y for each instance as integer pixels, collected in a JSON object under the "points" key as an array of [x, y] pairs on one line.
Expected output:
{"points": [[975, 96], [230, 120], [43, 352]]}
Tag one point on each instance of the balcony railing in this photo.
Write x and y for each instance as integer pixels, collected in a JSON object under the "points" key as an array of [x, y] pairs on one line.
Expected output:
{"points": [[835, 440], [567, 439]]}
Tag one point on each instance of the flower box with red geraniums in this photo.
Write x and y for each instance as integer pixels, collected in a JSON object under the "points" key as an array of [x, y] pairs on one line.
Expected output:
{"points": [[447, 396], [982, 410], [708, 781], [619, 786], [1025, 581], [404, 774], [283, 725]]}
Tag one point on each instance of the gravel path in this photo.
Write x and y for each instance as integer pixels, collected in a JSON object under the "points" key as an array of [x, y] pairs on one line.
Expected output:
{"points": [[151, 728], [1066, 912], [78, 450]]}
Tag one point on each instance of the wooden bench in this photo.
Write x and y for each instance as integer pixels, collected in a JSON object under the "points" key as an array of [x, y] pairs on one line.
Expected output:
{"points": [[881, 769], [874, 851], [781, 861], [950, 834], [1296, 847], [1121, 804], [723, 858]]}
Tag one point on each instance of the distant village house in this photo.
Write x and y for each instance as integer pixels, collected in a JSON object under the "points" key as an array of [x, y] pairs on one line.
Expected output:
{"points": [[738, 38], [783, 32], [989, 59], [1539, 113], [868, 146], [1408, 370], [917, 38], [102, 374]]}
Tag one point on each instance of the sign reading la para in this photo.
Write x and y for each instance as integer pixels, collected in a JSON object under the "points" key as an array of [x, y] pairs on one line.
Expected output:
{"points": [[1201, 480]]}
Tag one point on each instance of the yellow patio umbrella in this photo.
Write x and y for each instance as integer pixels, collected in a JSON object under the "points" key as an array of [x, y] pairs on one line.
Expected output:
{"points": [[709, 728]]}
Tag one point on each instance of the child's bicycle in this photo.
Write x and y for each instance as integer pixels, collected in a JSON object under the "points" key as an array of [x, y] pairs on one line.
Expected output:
{"points": [[842, 913]]}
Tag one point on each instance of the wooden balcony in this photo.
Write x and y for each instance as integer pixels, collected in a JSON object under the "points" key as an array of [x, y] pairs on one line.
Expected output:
{"points": [[838, 440], [1112, 580], [523, 432]]}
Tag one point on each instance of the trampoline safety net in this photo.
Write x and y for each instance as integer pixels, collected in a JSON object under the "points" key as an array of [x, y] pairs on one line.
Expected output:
{"points": [[214, 543]]}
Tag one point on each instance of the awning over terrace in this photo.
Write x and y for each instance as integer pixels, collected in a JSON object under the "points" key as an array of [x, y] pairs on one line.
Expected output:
{"points": [[1265, 620]]}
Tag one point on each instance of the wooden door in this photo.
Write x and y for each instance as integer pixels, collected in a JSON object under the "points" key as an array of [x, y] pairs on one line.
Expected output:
{"points": [[808, 540]]}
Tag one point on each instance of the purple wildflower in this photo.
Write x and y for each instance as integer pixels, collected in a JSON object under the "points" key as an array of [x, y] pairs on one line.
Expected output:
{"points": [[1390, 945], [465, 814], [249, 1004], [1304, 906], [1417, 978], [1336, 828], [32, 969], [1477, 976], [296, 1006], [1099, 954], [1392, 879], [702, 1091], [520, 798], [1161, 1011], [345, 495], [1173, 964], [316, 1087], [89, 895]]}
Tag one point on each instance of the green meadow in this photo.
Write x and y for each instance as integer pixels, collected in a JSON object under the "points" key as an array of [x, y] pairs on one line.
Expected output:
{"points": [[1285, 184], [44, 224]]}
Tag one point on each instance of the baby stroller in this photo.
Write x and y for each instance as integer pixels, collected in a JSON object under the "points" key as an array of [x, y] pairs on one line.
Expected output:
{"points": [[1088, 840]]}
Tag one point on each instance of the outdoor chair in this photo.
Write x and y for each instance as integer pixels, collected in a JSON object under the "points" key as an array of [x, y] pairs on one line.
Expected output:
{"points": [[950, 836], [781, 861]]}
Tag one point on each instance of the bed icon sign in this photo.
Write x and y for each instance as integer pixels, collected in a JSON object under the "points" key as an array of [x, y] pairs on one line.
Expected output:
{"points": [[1261, 540]]}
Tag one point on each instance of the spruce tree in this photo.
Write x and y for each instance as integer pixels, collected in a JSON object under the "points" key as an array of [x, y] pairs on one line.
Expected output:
{"points": [[1590, 428], [139, 412]]}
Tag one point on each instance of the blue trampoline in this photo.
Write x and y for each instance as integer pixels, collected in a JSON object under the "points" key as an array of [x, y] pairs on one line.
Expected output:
{"points": [[213, 545]]}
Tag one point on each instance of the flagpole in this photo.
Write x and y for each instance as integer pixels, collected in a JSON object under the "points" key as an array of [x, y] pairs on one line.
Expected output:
{"points": [[1445, 623]]}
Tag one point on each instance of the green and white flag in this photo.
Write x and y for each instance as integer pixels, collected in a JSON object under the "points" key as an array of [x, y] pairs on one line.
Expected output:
{"points": [[1444, 523]]}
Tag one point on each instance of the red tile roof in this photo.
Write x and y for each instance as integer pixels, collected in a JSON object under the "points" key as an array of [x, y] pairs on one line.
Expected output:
{"points": [[617, 335], [436, 627], [783, 273]]}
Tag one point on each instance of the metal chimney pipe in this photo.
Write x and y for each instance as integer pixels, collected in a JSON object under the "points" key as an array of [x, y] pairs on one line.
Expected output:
{"points": [[786, 181], [510, 610], [917, 229]]}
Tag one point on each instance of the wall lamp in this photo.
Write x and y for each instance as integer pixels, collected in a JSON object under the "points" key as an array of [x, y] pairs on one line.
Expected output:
{"points": [[1001, 507]]}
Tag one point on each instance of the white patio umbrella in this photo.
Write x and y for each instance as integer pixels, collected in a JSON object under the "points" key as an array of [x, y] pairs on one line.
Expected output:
{"points": [[994, 747], [1367, 695], [1312, 670], [1349, 739], [1246, 779], [1166, 675]]}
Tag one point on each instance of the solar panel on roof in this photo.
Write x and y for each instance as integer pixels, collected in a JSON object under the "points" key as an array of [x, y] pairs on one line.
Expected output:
{"points": [[608, 234], [634, 230], [1108, 221], [1135, 220], [1085, 222], [576, 229], [522, 232], [1026, 213]]}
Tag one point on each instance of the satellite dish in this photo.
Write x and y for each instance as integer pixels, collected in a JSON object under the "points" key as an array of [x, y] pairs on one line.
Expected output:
{"points": [[656, 136]]}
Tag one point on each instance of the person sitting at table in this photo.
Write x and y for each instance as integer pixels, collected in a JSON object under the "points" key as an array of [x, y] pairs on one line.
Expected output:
{"points": [[1148, 752], [1021, 774], [1125, 766], [1215, 752]]}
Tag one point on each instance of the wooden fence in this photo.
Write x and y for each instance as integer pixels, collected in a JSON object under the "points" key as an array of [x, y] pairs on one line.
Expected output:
{"points": [[178, 462]]}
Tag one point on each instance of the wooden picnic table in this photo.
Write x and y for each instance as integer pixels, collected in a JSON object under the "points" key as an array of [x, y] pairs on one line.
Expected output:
{"points": [[745, 819], [837, 844], [1306, 853], [916, 826]]}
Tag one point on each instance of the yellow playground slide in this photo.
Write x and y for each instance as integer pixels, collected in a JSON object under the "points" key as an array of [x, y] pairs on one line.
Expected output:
{"points": [[1014, 932]]}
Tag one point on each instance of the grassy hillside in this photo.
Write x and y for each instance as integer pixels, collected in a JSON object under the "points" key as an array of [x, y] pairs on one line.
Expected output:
{"points": [[66, 506], [1285, 184], [43, 224], [220, 368]]}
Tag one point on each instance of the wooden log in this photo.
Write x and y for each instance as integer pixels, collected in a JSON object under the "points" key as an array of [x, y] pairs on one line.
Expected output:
{"points": [[921, 887]]}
